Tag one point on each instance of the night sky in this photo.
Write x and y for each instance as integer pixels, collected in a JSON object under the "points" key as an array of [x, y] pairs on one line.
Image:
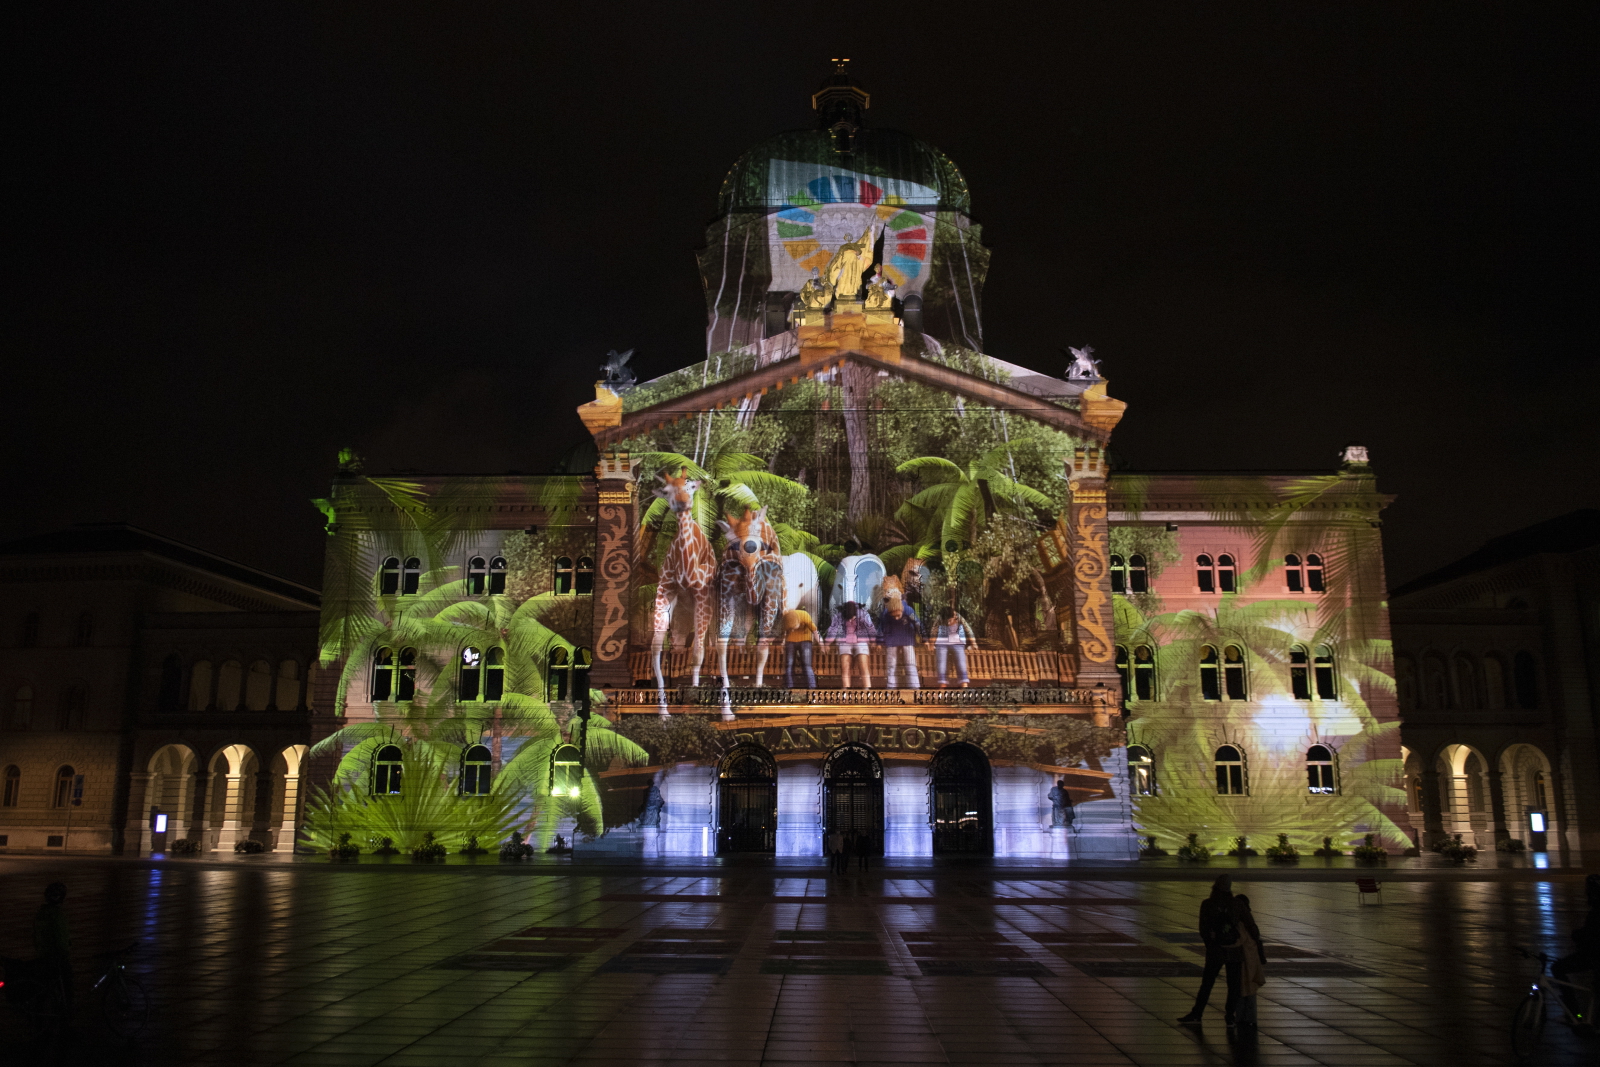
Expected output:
{"points": [[242, 236]]}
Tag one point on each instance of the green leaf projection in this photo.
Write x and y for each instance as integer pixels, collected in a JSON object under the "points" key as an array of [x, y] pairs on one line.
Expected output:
{"points": [[1309, 666]]}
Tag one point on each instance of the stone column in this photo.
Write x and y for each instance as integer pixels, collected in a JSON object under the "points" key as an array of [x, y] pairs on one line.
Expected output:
{"points": [[199, 828], [1461, 807], [1093, 630], [139, 791], [289, 825], [261, 815], [617, 520], [1432, 810], [230, 813], [1497, 809]]}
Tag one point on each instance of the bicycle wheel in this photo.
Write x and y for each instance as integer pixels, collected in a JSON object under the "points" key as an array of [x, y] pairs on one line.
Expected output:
{"points": [[123, 1005], [1527, 1024]]}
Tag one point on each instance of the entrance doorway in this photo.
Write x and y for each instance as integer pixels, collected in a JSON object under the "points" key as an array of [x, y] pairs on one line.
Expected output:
{"points": [[852, 794], [747, 801], [962, 803]]}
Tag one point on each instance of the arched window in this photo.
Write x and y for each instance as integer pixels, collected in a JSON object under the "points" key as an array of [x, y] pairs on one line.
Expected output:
{"points": [[1122, 671], [582, 660], [1294, 575], [1144, 673], [407, 687], [1205, 574], [477, 576], [583, 579], [558, 679], [389, 576], [1138, 576], [1525, 679], [1119, 575], [1230, 772], [63, 793], [383, 675], [29, 637], [1314, 573], [470, 686], [566, 772], [386, 772], [1225, 575], [84, 635], [22, 708], [171, 683], [1233, 673], [287, 695], [497, 576], [1324, 667], [411, 576], [258, 686], [1299, 673], [494, 674], [475, 772], [563, 577], [1141, 771], [13, 792], [1319, 771], [1466, 682], [1405, 680], [1494, 682], [1541, 794], [70, 705], [200, 685], [1210, 669], [230, 685], [1435, 690]]}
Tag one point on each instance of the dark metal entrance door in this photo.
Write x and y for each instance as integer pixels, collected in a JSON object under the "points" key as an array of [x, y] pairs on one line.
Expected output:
{"points": [[962, 801], [852, 794], [747, 801]]}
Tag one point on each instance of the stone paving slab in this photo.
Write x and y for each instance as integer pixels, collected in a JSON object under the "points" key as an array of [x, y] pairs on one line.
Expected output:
{"points": [[311, 963]]}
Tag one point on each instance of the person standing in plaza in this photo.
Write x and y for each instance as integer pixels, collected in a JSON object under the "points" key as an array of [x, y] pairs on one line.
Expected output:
{"points": [[1217, 930], [898, 631], [951, 637], [1252, 960], [800, 634], [836, 852], [52, 942]]}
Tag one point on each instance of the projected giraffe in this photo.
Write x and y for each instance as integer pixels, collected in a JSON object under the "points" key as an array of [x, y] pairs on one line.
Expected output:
{"points": [[687, 571], [749, 581]]}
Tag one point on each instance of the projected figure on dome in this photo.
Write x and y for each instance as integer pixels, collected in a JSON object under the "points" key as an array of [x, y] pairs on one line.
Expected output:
{"points": [[849, 263], [814, 294]]}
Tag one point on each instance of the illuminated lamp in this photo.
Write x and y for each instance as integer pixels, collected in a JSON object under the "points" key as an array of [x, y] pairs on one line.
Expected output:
{"points": [[566, 771]]}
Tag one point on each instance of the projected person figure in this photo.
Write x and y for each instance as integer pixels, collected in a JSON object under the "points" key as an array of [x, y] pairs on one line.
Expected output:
{"points": [[849, 263]]}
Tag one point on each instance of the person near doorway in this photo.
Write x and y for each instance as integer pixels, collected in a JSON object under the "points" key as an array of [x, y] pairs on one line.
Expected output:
{"points": [[52, 941], [1217, 930], [1587, 957], [1252, 961], [898, 630], [835, 846], [853, 633], [800, 634], [952, 637], [862, 849]]}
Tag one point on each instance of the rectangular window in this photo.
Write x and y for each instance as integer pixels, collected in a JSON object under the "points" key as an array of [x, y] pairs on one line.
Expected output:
{"points": [[1319, 777], [1208, 682], [1234, 672], [1325, 688], [1230, 779], [1225, 579], [1207, 584], [1296, 583]]}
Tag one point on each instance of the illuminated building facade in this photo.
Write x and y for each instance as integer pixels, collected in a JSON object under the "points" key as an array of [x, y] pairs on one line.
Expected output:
{"points": [[848, 451]]}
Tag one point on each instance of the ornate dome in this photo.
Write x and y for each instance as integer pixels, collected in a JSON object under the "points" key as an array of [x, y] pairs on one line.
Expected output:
{"points": [[818, 163]]}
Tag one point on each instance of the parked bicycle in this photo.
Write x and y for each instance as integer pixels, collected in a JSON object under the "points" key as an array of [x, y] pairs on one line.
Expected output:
{"points": [[41, 994], [1527, 1023]]}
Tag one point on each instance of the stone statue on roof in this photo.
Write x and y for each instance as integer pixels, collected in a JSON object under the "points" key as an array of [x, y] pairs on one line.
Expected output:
{"points": [[814, 295], [849, 263], [1082, 366]]}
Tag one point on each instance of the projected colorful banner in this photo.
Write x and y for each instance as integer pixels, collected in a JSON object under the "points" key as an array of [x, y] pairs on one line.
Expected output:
{"points": [[827, 206]]}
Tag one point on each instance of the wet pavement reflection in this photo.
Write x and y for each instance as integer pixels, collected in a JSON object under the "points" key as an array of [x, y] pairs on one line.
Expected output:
{"points": [[314, 963]]}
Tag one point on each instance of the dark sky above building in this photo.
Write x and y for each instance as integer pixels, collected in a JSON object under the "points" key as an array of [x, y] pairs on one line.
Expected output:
{"points": [[243, 236]]}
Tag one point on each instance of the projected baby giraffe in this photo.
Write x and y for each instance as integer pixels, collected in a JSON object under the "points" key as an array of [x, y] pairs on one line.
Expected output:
{"points": [[749, 586], [687, 571]]}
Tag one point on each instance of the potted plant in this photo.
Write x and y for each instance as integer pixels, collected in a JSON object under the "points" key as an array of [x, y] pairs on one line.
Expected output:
{"points": [[386, 847], [249, 847], [1241, 847], [1511, 844], [429, 851], [1283, 852], [516, 848], [472, 848], [184, 847], [346, 849], [1327, 848], [1150, 851], [1194, 850], [1369, 852], [1457, 851]]}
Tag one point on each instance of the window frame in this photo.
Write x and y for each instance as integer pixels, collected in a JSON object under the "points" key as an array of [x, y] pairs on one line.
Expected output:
{"points": [[1322, 779], [562, 581], [558, 674], [389, 576], [1210, 673], [1327, 678], [1138, 574], [61, 797], [388, 772], [1299, 672], [583, 576], [1294, 575], [494, 674], [12, 796], [1119, 574], [477, 576], [1315, 581], [497, 576], [1144, 673], [475, 779], [1227, 574], [411, 576], [1230, 774], [1235, 670], [382, 685], [469, 674], [1141, 771], [1205, 573]]}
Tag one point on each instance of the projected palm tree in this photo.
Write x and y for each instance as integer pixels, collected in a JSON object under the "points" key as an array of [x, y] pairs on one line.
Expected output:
{"points": [[957, 502]]}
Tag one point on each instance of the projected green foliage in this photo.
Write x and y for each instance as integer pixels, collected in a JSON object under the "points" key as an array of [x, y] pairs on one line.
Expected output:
{"points": [[441, 620], [1273, 727]]}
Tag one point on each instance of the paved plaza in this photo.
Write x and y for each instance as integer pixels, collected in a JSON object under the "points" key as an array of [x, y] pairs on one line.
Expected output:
{"points": [[307, 962]]}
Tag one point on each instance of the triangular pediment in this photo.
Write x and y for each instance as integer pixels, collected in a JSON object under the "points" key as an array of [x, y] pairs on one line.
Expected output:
{"points": [[1094, 418]]}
